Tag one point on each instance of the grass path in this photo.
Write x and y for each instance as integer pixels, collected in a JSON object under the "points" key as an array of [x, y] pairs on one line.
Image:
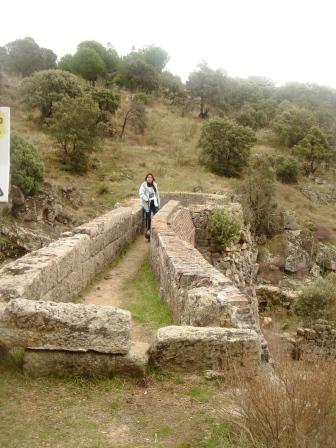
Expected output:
{"points": [[115, 286]]}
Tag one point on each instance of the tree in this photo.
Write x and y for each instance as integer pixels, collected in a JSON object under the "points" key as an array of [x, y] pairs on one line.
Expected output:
{"points": [[66, 63], [26, 165], [107, 101], [74, 127], [24, 57], [225, 146], [314, 149], [41, 90], [142, 76], [292, 125], [48, 59], [108, 55], [88, 64], [155, 56], [170, 85], [134, 114], [259, 197], [205, 84]]}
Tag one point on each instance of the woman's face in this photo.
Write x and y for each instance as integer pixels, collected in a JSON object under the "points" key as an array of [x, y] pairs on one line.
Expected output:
{"points": [[150, 179]]}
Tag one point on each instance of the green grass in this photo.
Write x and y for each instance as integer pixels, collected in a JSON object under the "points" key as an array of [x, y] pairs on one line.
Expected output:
{"points": [[200, 393], [145, 304], [222, 435]]}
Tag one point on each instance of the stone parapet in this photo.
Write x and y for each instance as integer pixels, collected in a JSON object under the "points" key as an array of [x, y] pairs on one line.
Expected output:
{"points": [[60, 271], [195, 349]]}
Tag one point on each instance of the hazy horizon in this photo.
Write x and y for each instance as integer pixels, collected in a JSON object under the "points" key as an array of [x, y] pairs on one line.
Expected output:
{"points": [[282, 40]]}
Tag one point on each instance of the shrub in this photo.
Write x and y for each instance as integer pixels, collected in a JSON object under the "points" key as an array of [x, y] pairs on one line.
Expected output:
{"points": [[143, 97], [74, 126], [287, 170], [318, 299], [292, 125], [103, 188], [292, 407], [27, 167], [225, 146], [43, 89], [223, 227]]}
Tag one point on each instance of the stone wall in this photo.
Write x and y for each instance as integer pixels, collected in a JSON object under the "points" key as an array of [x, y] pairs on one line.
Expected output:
{"points": [[61, 270], [316, 342], [197, 293], [189, 199]]}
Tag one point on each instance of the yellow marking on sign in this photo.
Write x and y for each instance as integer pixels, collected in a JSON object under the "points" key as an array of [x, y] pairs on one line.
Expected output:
{"points": [[2, 124]]}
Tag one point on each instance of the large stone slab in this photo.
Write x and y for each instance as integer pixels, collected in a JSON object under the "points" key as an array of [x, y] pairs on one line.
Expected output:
{"points": [[44, 362], [185, 348], [65, 326]]}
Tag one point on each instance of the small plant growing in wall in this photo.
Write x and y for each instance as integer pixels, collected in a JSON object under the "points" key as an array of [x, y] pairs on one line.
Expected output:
{"points": [[223, 227]]}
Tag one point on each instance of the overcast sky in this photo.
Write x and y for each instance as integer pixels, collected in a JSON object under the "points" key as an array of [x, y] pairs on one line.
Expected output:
{"points": [[286, 40]]}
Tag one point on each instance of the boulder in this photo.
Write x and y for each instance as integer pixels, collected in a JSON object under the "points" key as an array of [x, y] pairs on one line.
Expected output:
{"points": [[297, 259], [46, 362], [193, 349], [326, 256], [65, 326]]}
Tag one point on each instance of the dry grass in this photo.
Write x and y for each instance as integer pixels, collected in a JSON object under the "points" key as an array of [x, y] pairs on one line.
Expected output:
{"points": [[294, 407]]}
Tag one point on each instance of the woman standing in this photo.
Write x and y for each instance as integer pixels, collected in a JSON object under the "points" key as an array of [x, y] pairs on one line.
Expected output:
{"points": [[150, 198]]}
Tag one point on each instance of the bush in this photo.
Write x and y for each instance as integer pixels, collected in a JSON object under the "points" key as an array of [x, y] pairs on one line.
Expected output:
{"points": [[292, 125], [74, 126], [143, 97], [318, 299], [292, 407], [287, 170], [27, 167], [43, 89], [103, 188], [225, 146], [223, 227]]}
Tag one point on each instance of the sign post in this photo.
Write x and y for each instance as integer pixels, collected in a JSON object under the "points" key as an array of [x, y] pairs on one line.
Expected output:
{"points": [[4, 153]]}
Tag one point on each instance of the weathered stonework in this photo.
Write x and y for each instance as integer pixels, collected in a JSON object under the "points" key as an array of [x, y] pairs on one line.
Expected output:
{"points": [[319, 341], [46, 362], [183, 348], [65, 326], [196, 292], [60, 271]]}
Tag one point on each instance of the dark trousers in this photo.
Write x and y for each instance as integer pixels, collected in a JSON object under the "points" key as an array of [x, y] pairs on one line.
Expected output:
{"points": [[152, 209]]}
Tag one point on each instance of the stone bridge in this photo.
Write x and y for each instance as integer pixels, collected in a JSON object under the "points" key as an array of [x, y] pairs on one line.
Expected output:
{"points": [[216, 325]]}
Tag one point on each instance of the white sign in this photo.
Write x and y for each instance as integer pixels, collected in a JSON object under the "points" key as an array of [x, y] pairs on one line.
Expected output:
{"points": [[4, 152]]}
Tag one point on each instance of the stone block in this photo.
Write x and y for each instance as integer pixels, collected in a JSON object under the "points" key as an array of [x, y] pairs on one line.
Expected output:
{"points": [[193, 349], [64, 326], [46, 362]]}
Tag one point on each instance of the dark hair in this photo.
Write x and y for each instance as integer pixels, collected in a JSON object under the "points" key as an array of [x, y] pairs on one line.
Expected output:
{"points": [[149, 174]]}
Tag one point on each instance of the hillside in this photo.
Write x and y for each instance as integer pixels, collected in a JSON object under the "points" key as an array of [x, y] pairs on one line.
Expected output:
{"points": [[168, 148]]}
